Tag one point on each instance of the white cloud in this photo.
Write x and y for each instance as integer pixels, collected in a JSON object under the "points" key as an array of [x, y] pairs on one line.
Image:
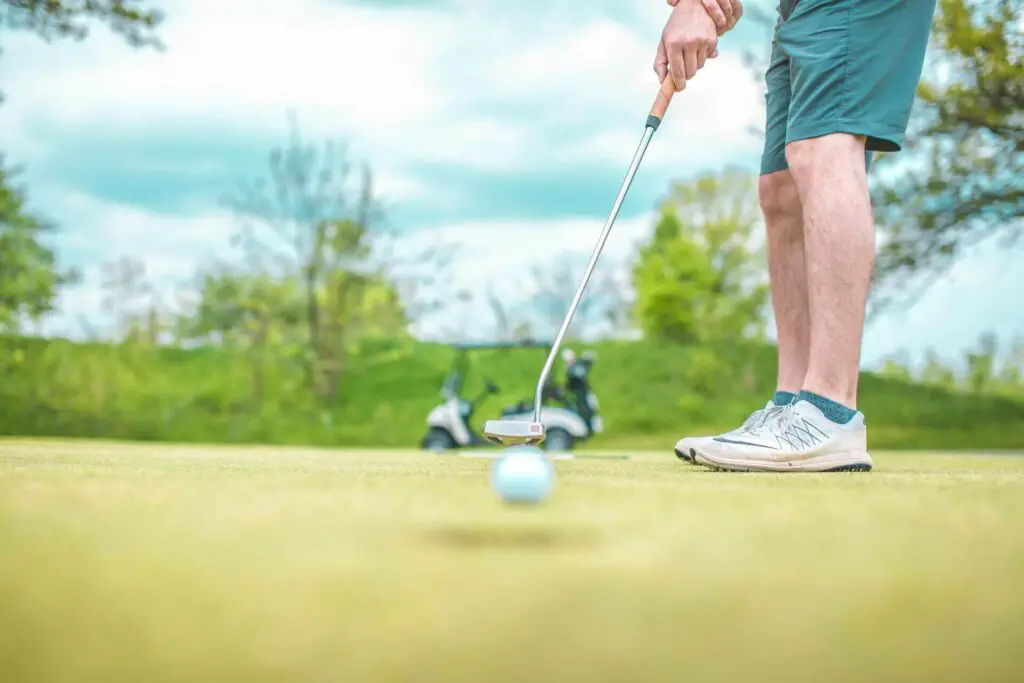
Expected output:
{"points": [[170, 243], [405, 84], [707, 124], [501, 243], [230, 61]]}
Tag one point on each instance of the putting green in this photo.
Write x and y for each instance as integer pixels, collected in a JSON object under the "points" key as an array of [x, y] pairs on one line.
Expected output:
{"points": [[159, 563]]}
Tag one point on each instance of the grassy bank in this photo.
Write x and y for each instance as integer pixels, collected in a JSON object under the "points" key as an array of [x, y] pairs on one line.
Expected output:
{"points": [[650, 395]]}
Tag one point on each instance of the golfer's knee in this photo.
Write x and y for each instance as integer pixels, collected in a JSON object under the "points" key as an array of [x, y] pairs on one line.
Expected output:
{"points": [[813, 157], [778, 196]]}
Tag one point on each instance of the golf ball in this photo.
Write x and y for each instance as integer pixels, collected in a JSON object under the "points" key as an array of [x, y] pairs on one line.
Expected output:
{"points": [[523, 474]]}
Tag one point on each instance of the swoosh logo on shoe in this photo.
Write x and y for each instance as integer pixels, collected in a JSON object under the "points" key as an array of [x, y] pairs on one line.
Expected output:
{"points": [[746, 443]]}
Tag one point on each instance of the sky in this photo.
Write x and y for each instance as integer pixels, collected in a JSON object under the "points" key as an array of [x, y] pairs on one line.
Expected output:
{"points": [[498, 130]]}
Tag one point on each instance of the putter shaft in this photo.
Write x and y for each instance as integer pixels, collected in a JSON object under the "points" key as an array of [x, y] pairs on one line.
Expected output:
{"points": [[652, 125]]}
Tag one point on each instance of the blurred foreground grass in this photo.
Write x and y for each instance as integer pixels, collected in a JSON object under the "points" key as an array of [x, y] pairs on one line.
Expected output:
{"points": [[160, 563]]}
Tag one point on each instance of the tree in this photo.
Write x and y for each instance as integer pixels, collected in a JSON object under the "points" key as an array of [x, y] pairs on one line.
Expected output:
{"points": [[1011, 374], [936, 373], [235, 307], [511, 322], [56, 19], [307, 224], [554, 285], [127, 294], [29, 275], [251, 311], [700, 277], [962, 180], [981, 363], [897, 366]]}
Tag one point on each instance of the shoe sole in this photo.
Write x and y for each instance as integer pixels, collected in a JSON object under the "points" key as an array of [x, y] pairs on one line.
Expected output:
{"points": [[833, 462], [687, 455]]}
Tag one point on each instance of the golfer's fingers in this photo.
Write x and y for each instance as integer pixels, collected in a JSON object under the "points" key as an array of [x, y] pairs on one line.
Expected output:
{"points": [[714, 53], [690, 61], [737, 11], [702, 55], [661, 61], [716, 13], [672, 3], [729, 9], [676, 67]]}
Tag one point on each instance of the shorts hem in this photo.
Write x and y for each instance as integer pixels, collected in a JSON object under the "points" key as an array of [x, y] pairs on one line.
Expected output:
{"points": [[773, 166], [879, 138]]}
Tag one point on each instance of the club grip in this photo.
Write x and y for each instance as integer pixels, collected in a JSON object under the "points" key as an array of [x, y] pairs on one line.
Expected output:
{"points": [[661, 102]]}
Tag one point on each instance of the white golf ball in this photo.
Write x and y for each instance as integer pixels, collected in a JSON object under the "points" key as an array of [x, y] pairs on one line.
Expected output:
{"points": [[523, 474]]}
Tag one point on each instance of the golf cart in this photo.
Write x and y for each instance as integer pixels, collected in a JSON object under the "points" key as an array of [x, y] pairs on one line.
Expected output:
{"points": [[570, 413]]}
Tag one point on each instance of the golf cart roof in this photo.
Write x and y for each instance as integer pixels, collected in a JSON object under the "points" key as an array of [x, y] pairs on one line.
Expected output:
{"points": [[525, 344]]}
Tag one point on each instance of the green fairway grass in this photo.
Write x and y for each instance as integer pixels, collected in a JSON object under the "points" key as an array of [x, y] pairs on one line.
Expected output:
{"points": [[125, 562]]}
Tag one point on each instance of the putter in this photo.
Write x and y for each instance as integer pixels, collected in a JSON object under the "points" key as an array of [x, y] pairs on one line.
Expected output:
{"points": [[519, 433]]}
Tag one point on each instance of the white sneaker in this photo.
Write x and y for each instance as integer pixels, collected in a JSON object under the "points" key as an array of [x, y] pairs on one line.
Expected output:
{"points": [[798, 438], [687, 446]]}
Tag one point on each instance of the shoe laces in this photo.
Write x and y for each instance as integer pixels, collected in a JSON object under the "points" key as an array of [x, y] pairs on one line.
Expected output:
{"points": [[785, 421], [776, 418], [752, 420], [791, 429]]}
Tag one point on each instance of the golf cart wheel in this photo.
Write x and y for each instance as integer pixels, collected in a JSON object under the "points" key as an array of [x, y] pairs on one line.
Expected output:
{"points": [[438, 439], [558, 440]]}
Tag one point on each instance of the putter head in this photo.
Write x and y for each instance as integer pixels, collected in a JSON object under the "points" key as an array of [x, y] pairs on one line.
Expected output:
{"points": [[513, 432]]}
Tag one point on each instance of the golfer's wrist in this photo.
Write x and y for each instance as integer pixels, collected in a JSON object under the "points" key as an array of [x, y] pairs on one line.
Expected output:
{"points": [[724, 13]]}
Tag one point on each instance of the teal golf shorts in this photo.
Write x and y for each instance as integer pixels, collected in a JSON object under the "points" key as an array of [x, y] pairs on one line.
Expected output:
{"points": [[844, 66]]}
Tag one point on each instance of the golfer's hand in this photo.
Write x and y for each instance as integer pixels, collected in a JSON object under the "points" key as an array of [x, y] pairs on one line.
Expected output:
{"points": [[688, 40], [725, 13]]}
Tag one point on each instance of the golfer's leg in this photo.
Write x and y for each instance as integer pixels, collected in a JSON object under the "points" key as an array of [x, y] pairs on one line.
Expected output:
{"points": [[855, 68], [780, 205], [839, 243], [779, 202], [783, 219]]}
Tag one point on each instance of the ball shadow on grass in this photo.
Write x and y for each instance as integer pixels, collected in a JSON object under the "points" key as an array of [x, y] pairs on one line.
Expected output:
{"points": [[519, 537]]}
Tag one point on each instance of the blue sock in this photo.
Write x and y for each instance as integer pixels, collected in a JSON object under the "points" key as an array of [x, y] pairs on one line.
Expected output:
{"points": [[836, 412], [783, 398]]}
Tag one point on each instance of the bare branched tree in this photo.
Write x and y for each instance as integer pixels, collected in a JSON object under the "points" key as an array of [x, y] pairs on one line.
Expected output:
{"points": [[127, 294], [313, 220], [554, 285]]}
